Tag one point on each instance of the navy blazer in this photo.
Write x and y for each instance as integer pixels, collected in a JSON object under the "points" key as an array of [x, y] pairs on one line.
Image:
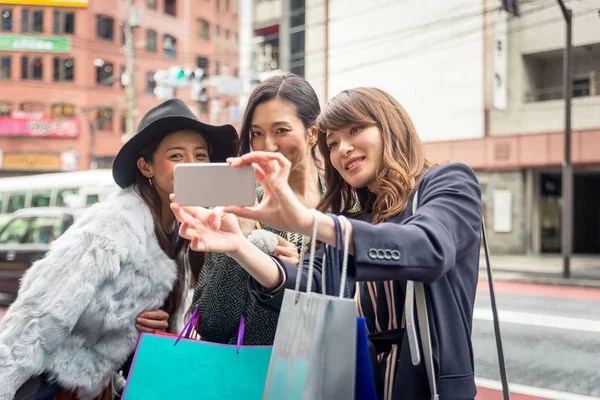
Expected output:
{"points": [[438, 245]]}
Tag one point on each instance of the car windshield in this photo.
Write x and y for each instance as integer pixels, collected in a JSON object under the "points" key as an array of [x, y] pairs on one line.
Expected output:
{"points": [[25, 230]]}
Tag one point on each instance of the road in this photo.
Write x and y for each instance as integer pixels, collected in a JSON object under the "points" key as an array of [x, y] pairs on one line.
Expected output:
{"points": [[551, 339]]}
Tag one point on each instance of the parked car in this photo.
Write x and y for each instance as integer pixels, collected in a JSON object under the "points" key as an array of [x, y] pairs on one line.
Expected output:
{"points": [[25, 238]]}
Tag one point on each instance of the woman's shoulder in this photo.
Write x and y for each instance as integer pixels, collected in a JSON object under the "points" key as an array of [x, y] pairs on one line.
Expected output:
{"points": [[450, 173], [124, 211]]}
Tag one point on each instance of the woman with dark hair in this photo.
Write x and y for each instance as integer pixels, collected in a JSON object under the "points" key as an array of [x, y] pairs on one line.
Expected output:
{"points": [[74, 321], [280, 118], [376, 171]]}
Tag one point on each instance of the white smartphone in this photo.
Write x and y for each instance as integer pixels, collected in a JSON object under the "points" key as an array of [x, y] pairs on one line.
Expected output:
{"points": [[214, 185]]}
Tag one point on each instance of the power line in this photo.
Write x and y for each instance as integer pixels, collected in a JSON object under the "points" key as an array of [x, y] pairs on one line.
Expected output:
{"points": [[463, 34]]}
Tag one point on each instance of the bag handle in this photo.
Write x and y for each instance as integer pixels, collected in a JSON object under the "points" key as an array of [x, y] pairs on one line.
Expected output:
{"points": [[193, 321], [419, 291], [311, 260], [499, 347]]}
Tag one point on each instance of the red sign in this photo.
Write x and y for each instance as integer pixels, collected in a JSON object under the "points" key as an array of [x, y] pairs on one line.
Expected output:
{"points": [[45, 127]]}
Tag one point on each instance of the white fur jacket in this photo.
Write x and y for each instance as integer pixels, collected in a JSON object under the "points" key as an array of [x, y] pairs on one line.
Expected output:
{"points": [[74, 317]]}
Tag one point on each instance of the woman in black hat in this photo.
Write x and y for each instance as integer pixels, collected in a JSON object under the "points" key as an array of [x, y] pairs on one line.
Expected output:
{"points": [[77, 318]]}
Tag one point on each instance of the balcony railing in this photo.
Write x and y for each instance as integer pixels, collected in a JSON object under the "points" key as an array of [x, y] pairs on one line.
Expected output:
{"points": [[556, 92]]}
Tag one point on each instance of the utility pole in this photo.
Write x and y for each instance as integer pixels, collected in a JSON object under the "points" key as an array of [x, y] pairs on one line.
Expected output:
{"points": [[131, 22], [567, 170]]}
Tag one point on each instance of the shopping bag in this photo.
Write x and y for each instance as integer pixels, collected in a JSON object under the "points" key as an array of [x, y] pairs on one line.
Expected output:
{"points": [[168, 367], [365, 381], [314, 353], [332, 268]]}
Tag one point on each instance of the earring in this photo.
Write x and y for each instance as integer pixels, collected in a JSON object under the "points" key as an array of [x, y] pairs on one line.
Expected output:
{"points": [[150, 180]]}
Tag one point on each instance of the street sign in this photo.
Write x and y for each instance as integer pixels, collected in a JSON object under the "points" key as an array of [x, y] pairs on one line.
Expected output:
{"points": [[49, 3], [35, 43], [45, 127]]}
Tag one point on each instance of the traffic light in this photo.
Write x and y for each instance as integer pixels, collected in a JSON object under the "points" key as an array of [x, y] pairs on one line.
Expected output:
{"points": [[178, 78], [198, 85]]}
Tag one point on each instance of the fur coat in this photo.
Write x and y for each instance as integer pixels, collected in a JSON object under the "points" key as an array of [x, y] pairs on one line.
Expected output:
{"points": [[74, 317]]}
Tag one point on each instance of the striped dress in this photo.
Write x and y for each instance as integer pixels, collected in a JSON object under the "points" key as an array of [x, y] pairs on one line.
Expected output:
{"points": [[382, 306]]}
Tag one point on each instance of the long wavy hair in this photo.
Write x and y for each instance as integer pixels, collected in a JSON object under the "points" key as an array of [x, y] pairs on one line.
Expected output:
{"points": [[187, 261], [403, 161]]}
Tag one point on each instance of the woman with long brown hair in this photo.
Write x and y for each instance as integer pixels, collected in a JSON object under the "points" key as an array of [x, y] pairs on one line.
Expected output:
{"points": [[374, 166], [76, 319]]}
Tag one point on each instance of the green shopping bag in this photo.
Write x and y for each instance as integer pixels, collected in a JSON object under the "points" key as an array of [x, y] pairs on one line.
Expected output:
{"points": [[169, 367]]}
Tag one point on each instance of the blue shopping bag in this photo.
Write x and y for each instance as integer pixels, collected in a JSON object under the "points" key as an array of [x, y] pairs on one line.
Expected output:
{"points": [[364, 386], [169, 367]]}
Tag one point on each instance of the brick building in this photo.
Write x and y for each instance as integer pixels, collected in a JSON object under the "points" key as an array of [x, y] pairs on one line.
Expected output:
{"points": [[61, 98]]}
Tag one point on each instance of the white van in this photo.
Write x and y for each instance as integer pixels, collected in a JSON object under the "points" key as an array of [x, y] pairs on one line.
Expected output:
{"points": [[65, 189]]}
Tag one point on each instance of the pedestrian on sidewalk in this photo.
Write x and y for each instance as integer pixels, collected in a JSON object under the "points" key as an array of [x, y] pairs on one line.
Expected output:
{"points": [[120, 269], [374, 166]]}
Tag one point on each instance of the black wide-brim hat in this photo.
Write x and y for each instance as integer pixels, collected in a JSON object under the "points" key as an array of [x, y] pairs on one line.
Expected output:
{"points": [[170, 116]]}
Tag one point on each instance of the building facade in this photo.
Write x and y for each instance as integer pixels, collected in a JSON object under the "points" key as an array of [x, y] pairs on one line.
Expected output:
{"points": [[483, 88], [62, 99]]}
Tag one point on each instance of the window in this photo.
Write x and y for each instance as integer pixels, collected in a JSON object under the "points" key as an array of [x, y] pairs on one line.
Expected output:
{"points": [[5, 67], [123, 69], [217, 33], [6, 20], [45, 230], [15, 231], [40, 198], [151, 4], [203, 29], [64, 70], [202, 62], [236, 39], [5, 111], [32, 21], [16, 201], [91, 199], [32, 107], [227, 36], [32, 68], [581, 87], [151, 43], [2, 196], [169, 46], [104, 119], [171, 7], [105, 27], [104, 75], [217, 68], [226, 5], [62, 110], [150, 83], [64, 23], [218, 4], [64, 195]]}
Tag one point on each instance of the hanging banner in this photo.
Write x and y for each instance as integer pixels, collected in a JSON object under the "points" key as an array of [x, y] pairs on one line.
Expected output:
{"points": [[45, 127], [33, 43]]}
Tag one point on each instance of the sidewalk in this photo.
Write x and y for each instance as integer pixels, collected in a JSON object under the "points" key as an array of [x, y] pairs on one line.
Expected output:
{"points": [[544, 269]]}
